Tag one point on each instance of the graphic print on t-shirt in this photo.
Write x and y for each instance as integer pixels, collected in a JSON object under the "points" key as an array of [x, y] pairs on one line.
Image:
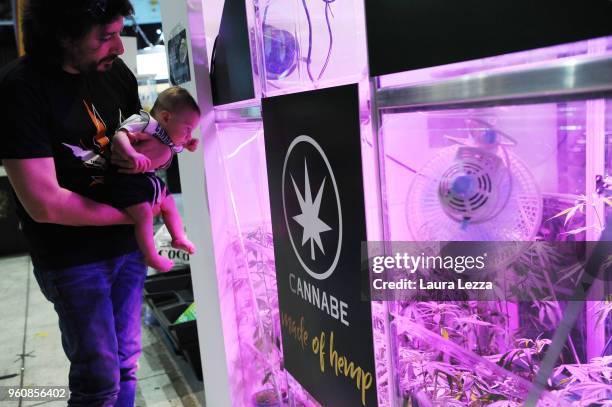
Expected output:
{"points": [[100, 140], [93, 158], [90, 158]]}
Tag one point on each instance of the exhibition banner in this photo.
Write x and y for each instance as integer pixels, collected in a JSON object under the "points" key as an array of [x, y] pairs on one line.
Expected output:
{"points": [[178, 57], [313, 154]]}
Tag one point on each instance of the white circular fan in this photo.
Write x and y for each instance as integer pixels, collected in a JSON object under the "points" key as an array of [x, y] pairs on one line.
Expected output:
{"points": [[474, 193], [475, 186]]}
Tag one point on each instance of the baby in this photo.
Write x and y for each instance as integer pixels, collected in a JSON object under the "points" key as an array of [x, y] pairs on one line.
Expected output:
{"points": [[173, 117]]}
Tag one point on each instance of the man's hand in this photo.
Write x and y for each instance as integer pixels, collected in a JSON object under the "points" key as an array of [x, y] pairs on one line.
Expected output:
{"points": [[158, 153], [141, 162], [122, 158]]}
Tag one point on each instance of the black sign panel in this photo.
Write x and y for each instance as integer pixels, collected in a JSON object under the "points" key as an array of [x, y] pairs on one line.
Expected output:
{"points": [[404, 35], [231, 76], [318, 218]]}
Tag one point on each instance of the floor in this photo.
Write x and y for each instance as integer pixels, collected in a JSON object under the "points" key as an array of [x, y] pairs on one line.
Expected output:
{"points": [[31, 352]]}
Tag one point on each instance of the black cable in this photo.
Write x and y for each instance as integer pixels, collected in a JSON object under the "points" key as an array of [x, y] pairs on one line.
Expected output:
{"points": [[308, 57], [328, 11], [331, 37]]}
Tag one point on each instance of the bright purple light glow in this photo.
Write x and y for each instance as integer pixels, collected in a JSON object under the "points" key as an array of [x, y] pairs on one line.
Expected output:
{"points": [[442, 347], [502, 63]]}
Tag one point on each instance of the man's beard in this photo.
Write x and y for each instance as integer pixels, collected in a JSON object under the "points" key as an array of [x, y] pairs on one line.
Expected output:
{"points": [[102, 65], [107, 63]]}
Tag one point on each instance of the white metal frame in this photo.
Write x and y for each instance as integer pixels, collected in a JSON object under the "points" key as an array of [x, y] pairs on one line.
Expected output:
{"points": [[188, 13]]}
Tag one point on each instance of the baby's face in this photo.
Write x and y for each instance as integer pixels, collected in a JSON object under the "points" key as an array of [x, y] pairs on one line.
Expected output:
{"points": [[180, 125]]}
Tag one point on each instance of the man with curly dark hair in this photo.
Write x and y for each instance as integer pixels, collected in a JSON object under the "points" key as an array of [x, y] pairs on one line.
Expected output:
{"points": [[61, 104]]}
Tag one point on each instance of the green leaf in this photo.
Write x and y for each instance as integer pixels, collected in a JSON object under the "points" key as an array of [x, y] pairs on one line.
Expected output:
{"points": [[563, 212]]}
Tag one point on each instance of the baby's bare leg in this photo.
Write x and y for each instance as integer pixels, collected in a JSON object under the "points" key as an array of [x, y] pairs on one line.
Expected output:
{"points": [[142, 215], [172, 219]]}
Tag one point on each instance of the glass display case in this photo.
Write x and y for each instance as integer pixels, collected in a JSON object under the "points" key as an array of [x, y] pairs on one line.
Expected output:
{"points": [[299, 44], [244, 255], [509, 165], [295, 46]]}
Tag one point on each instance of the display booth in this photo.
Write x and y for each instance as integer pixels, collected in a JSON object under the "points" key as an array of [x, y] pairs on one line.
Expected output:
{"points": [[354, 154]]}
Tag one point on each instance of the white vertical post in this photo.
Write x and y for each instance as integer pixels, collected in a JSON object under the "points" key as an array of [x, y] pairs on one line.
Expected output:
{"points": [[595, 215], [188, 14], [373, 179]]}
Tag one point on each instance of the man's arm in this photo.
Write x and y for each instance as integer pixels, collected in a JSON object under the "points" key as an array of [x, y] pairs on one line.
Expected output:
{"points": [[35, 183]]}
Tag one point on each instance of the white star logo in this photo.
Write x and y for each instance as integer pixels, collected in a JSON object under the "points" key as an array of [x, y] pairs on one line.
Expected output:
{"points": [[309, 218]]}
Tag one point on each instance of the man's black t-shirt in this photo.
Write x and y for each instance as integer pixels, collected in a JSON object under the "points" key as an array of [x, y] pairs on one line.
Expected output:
{"points": [[70, 117]]}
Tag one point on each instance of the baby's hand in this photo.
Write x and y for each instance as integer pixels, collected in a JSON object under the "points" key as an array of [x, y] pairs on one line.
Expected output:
{"points": [[141, 162], [192, 144], [184, 244]]}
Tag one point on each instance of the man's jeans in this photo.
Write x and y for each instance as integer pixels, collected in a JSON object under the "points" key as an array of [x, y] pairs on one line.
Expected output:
{"points": [[99, 306]]}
